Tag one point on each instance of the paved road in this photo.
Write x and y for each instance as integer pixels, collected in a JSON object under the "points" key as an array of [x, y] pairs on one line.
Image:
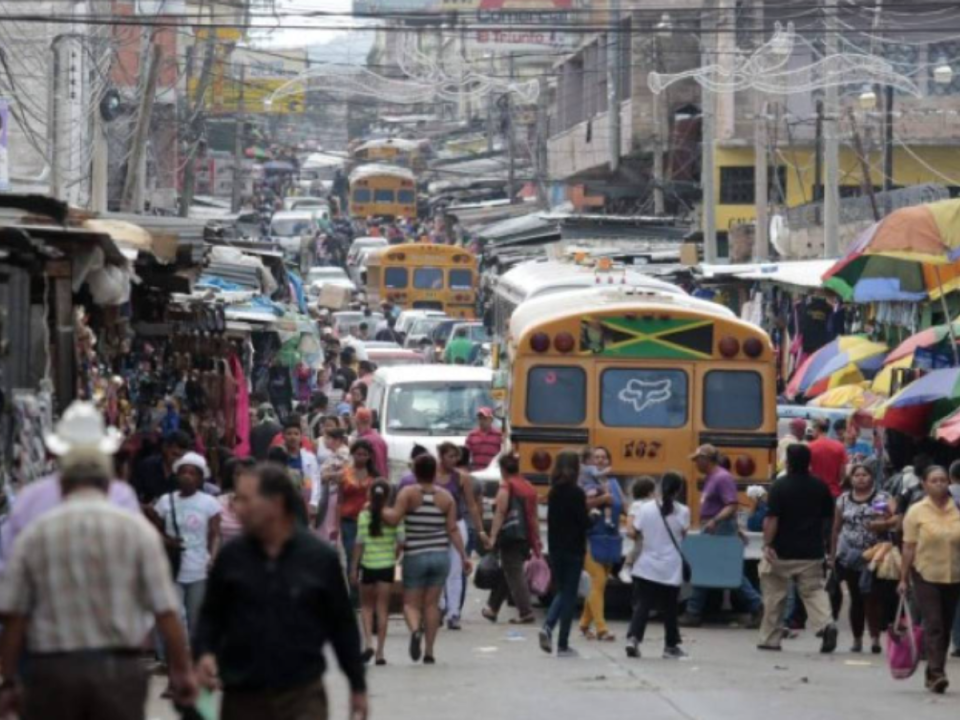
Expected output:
{"points": [[494, 672]]}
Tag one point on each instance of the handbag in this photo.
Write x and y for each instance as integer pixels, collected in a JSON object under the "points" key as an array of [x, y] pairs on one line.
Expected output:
{"points": [[904, 641], [174, 552], [687, 570], [514, 530], [538, 577], [606, 545], [488, 572]]}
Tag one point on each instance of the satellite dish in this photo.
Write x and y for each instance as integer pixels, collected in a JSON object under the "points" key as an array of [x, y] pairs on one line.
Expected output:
{"points": [[779, 234]]}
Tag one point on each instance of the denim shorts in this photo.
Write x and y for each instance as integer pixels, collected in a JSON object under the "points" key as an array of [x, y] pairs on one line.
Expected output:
{"points": [[426, 570]]}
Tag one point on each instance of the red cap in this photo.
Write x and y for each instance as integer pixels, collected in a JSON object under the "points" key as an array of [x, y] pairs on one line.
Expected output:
{"points": [[485, 412]]}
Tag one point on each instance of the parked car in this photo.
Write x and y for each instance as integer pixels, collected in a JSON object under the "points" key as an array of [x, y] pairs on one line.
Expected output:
{"points": [[288, 227], [383, 357], [318, 277], [364, 243]]}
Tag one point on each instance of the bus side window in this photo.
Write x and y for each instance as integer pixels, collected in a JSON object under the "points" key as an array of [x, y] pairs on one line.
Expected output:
{"points": [[721, 414], [556, 395]]}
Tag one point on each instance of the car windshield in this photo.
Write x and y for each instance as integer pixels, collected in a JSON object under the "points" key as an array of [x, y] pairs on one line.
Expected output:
{"points": [[423, 326], [476, 333], [448, 408], [441, 333], [291, 227]]}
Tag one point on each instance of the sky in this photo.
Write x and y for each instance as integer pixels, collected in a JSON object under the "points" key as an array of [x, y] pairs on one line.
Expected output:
{"points": [[339, 46]]}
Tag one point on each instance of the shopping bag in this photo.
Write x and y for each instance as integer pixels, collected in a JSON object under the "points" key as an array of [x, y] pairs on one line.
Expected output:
{"points": [[583, 589], [488, 572], [537, 573], [904, 641]]}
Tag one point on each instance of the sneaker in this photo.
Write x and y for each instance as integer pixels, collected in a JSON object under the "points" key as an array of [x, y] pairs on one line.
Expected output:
{"points": [[829, 642], [454, 624], [415, 649], [690, 621], [567, 652], [546, 640], [633, 648], [367, 655], [674, 653]]}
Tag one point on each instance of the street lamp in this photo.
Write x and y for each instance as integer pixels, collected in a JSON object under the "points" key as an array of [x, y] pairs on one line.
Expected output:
{"points": [[664, 28], [867, 99]]}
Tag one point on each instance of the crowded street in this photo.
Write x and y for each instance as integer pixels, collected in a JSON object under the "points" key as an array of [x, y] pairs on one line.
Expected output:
{"points": [[479, 359]]}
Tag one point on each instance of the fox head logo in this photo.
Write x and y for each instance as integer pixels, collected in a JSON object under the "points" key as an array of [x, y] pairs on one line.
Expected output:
{"points": [[645, 393]]}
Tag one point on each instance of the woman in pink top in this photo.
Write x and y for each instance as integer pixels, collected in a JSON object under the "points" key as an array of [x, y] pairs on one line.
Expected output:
{"points": [[230, 526]]}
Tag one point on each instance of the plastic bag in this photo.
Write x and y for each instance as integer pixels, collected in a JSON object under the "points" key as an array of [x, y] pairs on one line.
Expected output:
{"points": [[537, 573], [488, 572], [904, 641], [583, 590]]}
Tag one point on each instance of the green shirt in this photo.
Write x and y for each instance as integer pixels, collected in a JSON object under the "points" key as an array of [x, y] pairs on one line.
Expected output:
{"points": [[459, 349], [379, 553]]}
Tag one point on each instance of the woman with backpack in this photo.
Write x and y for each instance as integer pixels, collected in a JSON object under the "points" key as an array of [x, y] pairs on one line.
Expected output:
{"points": [[514, 534]]}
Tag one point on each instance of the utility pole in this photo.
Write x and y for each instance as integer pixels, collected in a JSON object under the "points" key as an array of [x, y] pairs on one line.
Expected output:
{"points": [[659, 128], [866, 181], [818, 154], [236, 200], [761, 179], [708, 131], [53, 119], [189, 170], [613, 84], [130, 200], [831, 160], [511, 137], [491, 131], [888, 138]]}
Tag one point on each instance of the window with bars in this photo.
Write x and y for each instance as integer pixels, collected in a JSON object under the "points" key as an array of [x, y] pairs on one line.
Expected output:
{"points": [[737, 186]]}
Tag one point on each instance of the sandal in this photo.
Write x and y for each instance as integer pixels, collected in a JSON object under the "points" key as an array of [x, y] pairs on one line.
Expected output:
{"points": [[588, 634], [606, 637]]}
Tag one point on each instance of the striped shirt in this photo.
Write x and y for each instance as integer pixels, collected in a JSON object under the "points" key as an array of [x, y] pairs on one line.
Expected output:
{"points": [[379, 553], [88, 575], [426, 528]]}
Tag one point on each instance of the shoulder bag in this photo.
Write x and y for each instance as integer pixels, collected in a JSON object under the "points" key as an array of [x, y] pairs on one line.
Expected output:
{"points": [[687, 570], [174, 552]]}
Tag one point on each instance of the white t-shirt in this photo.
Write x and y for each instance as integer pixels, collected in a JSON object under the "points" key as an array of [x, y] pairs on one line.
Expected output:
{"points": [[659, 559], [193, 519], [635, 508]]}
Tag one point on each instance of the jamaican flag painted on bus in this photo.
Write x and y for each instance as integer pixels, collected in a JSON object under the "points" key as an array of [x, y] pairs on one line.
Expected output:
{"points": [[647, 337]]}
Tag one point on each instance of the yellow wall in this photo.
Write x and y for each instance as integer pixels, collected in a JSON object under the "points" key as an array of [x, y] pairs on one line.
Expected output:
{"points": [[906, 171]]}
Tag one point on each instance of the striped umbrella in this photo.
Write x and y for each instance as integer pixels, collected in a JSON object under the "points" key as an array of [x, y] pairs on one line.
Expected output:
{"points": [[836, 363], [925, 400]]}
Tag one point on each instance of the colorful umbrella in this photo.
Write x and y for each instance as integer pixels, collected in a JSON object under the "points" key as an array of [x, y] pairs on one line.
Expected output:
{"points": [[948, 429], [883, 382], [924, 339], [910, 255], [845, 356], [931, 397], [846, 396]]}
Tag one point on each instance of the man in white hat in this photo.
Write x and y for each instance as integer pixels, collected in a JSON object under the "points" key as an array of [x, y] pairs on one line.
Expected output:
{"points": [[81, 428], [191, 520], [78, 593]]}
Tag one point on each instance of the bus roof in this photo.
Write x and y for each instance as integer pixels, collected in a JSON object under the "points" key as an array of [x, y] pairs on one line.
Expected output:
{"points": [[401, 144], [533, 279], [583, 302], [375, 169], [420, 249]]}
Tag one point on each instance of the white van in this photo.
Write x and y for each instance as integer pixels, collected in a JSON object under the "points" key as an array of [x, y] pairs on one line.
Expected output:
{"points": [[413, 407]]}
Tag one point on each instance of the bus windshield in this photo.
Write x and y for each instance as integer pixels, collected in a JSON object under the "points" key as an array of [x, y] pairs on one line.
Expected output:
{"points": [[436, 408]]}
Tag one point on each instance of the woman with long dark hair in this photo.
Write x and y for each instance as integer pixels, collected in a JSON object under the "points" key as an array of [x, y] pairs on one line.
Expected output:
{"points": [[658, 572], [373, 567], [358, 476], [567, 523]]}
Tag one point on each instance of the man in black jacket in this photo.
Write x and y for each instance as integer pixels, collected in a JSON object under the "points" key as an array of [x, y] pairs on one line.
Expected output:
{"points": [[274, 598]]}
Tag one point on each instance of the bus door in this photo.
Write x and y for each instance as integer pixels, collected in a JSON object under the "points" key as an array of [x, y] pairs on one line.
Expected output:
{"points": [[645, 416], [736, 413]]}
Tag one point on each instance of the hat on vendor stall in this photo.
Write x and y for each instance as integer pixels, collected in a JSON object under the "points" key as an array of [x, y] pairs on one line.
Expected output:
{"points": [[192, 459], [82, 428]]}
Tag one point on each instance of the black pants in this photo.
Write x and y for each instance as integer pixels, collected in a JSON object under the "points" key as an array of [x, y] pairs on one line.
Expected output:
{"points": [[648, 595], [938, 607]]}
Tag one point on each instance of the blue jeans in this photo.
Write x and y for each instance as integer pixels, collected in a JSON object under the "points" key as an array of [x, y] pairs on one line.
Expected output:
{"points": [[747, 592], [567, 569], [348, 536]]}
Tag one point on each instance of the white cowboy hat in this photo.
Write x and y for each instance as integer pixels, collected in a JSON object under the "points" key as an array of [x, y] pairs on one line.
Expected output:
{"points": [[82, 427], [192, 459]]}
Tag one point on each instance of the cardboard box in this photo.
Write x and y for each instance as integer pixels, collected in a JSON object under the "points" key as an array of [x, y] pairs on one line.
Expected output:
{"points": [[689, 254], [334, 297]]}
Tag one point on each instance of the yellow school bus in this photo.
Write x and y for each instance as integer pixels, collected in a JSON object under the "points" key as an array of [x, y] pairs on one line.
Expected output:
{"points": [[424, 276], [383, 191], [649, 375], [395, 151]]}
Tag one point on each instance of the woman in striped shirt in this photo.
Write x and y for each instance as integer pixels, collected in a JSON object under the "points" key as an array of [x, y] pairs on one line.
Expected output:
{"points": [[372, 568], [429, 514]]}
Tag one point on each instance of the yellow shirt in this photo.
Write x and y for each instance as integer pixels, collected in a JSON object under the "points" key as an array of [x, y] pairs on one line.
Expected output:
{"points": [[936, 532]]}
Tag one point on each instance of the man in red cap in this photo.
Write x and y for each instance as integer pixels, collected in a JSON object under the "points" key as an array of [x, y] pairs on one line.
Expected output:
{"points": [[363, 421], [485, 441]]}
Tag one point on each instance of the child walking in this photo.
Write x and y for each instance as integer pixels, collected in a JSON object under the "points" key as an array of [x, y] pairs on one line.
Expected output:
{"points": [[373, 567], [642, 491]]}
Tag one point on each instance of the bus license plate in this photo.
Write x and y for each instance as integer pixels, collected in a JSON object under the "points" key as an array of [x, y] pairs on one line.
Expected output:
{"points": [[641, 449]]}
